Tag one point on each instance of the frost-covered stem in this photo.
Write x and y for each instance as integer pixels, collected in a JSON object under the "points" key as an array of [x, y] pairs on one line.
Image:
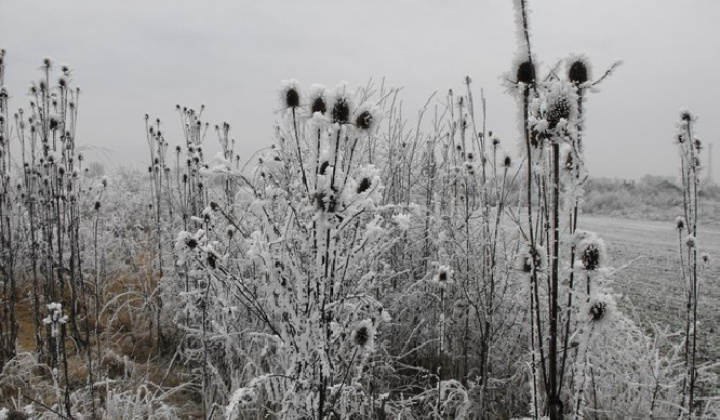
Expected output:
{"points": [[555, 405], [96, 279], [440, 348], [525, 29], [533, 356], [430, 169], [580, 385], [573, 227], [690, 200], [489, 242], [693, 370], [61, 350], [300, 158], [534, 295], [206, 379], [338, 394]]}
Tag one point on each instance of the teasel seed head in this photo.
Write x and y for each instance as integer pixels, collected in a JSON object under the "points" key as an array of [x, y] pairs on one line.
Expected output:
{"points": [[559, 109], [578, 71], [364, 185], [525, 73], [341, 111], [597, 311]]}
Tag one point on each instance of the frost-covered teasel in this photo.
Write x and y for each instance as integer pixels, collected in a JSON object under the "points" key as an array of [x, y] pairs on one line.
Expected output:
{"points": [[318, 98], [591, 254], [367, 117], [363, 335], [691, 241], [579, 70], [600, 311], [705, 257], [290, 94], [680, 223], [342, 105], [443, 276], [532, 261]]}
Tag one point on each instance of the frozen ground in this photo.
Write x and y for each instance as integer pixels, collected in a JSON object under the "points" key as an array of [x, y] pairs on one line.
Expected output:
{"points": [[651, 278]]}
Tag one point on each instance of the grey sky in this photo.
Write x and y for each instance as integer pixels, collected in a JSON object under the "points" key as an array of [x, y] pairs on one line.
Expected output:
{"points": [[135, 57]]}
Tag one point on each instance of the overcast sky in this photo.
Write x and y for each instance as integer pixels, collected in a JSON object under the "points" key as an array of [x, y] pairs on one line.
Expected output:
{"points": [[135, 57]]}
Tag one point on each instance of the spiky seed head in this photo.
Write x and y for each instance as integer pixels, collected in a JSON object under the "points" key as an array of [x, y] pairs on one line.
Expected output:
{"points": [[470, 168], [212, 260], [559, 109], [292, 98], [591, 257], [680, 223], [578, 72], [526, 73], [364, 185], [318, 105], [361, 336], [690, 241], [341, 111], [597, 311], [15, 415], [685, 115], [364, 120], [507, 162]]}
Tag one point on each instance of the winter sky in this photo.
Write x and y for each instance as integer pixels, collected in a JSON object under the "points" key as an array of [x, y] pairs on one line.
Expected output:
{"points": [[135, 57]]}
